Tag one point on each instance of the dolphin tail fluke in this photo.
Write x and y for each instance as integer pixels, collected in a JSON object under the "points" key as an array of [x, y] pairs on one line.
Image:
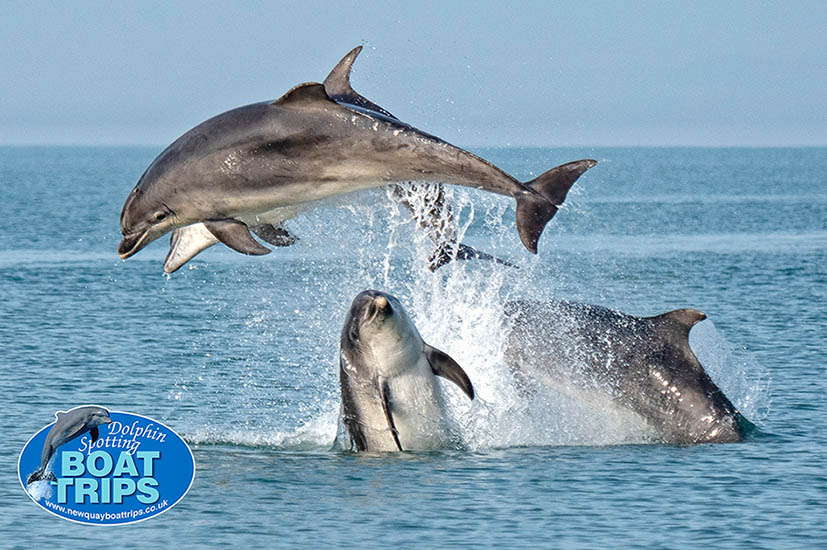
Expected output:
{"points": [[444, 254], [534, 210], [40, 475]]}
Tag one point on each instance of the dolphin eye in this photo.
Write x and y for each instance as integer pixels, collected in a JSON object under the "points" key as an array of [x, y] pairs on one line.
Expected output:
{"points": [[160, 215]]}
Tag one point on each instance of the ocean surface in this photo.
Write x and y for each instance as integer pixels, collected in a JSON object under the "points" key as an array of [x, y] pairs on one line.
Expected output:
{"points": [[239, 355]]}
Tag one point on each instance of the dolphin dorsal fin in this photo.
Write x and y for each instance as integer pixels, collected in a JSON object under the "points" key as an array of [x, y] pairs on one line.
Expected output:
{"points": [[686, 318], [443, 365], [337, 85], [337, 82], [302, 94]]}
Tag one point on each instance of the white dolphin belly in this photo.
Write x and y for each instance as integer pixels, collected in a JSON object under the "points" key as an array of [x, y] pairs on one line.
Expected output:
{"points": [[189, 240], [417, 407]]}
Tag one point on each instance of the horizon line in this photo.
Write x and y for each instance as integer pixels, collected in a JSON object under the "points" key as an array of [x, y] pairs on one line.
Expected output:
{"points": [[477, 146]]}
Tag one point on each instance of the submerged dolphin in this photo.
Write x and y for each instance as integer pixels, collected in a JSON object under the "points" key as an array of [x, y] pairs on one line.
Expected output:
{"points": [[644, 363], [436, 216], [241, 169], [390, 397], [68, 426]]}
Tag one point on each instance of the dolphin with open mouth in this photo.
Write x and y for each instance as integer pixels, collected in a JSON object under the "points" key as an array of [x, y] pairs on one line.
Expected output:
{"points": [[257, 165]]}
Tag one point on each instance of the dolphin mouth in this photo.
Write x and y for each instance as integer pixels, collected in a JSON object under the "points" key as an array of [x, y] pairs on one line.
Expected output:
{"points": [[131, 244], [379, 307]]}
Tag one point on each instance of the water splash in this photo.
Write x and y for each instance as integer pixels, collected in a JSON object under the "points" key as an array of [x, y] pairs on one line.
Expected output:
{"points": [[267, 372], [739, 376], [40, 490]]}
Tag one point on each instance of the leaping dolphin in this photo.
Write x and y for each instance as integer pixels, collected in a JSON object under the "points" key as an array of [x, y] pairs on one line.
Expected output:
{"points": [[243, 168], [644, 363], [435, 216], [188, 241], [390, 397], [69, 425]]}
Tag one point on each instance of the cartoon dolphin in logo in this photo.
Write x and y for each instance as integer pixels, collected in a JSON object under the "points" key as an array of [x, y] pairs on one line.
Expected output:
{"points": [[69, 425]]}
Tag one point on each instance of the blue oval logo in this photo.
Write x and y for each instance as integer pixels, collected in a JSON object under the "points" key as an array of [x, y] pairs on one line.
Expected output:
{"points": [[102, 467]]}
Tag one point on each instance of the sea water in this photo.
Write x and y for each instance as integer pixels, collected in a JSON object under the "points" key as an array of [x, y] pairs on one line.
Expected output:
{"points": [[239, 356]]}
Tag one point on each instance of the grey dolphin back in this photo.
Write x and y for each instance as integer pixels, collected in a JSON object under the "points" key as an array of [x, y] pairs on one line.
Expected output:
{"points": [[308, 93], [534, 210], [338, 87], [675, 326], [645, 363]]}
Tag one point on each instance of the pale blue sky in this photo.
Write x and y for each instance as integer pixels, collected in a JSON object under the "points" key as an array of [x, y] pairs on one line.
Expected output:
{"points": [[474, 73]]}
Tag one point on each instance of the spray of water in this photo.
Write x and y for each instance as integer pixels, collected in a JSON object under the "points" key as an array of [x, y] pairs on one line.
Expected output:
{"points": [[40, 490], [283, 391]]}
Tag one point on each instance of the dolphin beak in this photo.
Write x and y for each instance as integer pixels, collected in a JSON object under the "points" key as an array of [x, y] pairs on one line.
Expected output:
{"points": [[108, 421], [131, 244], [379, 307]]}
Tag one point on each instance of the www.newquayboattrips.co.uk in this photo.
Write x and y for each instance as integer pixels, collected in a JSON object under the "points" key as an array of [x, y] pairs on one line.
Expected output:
{"points": [[102, 467]]}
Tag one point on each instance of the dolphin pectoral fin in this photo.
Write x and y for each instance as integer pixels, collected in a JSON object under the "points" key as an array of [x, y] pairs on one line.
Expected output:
{"points": [[274, 234], [534, 210], [337, 85], [235, 234], [185, 243], [385, 394], [443, 255], [443, 365], [95, 433]]}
